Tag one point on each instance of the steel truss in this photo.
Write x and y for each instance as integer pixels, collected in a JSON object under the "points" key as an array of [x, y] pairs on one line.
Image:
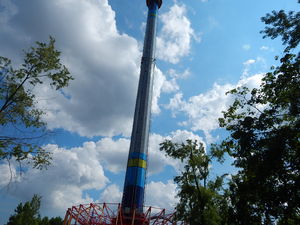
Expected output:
{"points": [[110, 213]]}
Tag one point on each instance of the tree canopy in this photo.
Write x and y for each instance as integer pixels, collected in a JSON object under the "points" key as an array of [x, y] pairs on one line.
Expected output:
{"points": [[264, 126], [28, 214], [20, 120], [200, 199], [264, 141]]}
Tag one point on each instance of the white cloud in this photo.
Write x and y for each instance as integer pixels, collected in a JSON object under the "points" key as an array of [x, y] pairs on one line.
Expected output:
{"points": [[174, 40], [154, 193], [104, 63], [264, 48], [162, 195], [170, 86], [251, 82], [62, 185], [8, 173], [176, 75], [203, 110], [76, 171], [247, 65], [246, 47], [157, 158], [9, 10], [100, 101], [165, 84], [111, 194], [113, 154], [249, 62], [159, 81]]}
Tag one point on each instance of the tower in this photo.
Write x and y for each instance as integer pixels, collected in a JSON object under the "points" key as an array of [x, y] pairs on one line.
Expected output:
{"points": [[134, 185], [130, 211]]}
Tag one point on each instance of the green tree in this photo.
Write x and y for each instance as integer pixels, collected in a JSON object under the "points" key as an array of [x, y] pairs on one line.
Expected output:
{"points": [[264, 126], [284, 25], [200, 199], [51, 221], [28, 214], [20, 119]]}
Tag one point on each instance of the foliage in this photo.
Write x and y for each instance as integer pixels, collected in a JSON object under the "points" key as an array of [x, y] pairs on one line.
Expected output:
{"points": [[200, 200], [285, 25], [51, 221], [28, 214], [264, 126], [20, 119]]}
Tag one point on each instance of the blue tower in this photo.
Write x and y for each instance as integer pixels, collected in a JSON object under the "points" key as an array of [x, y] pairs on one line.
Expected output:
{"points": [[134, 186]]}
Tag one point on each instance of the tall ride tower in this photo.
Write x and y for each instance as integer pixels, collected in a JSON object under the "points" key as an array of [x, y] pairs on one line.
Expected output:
{"points": [[130, 211], [134, 187]]}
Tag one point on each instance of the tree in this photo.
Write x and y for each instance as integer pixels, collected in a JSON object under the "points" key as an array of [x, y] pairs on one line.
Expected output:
{"points": [[52, 221], [200, 201], [264, 126], [20, 120], [28, 214], [285, 25]]}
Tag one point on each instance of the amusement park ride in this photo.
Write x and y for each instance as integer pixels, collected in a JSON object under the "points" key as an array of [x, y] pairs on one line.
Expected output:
{"points": [[132, 211]]}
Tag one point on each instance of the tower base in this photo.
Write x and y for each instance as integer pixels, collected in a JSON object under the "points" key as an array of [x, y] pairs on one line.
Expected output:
{"points": [[109, 213]]}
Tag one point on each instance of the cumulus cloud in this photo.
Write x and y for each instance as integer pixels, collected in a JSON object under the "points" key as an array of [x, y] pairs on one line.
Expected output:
{"points": [[154, 193], [158, 84], [203, 110], [157, 159], [174, 40], [247, 65], [76, 171], [165, 83], [251, 64], [162, 195], [111, 194], [113, 153], [100, 101], [62, 185], [8, 174], [171, 84]]}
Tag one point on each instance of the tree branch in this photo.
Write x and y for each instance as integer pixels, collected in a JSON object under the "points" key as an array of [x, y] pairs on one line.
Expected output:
{"points": [[9, 101]]}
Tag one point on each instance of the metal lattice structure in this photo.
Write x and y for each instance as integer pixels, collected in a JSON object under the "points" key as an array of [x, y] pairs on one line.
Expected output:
{"points": [[105, 213]]}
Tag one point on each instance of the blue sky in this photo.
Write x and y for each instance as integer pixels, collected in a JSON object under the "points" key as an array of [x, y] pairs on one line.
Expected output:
{"points": [[204, 48]]}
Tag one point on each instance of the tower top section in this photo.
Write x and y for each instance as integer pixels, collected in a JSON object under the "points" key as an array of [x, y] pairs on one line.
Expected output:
{"points": [[158, 2]]}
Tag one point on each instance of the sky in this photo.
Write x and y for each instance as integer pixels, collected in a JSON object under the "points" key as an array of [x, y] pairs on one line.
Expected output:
{"points": [[204, 48]]}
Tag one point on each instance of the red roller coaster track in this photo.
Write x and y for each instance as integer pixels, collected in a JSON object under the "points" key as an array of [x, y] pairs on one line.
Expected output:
{"points": [[109, 213]]}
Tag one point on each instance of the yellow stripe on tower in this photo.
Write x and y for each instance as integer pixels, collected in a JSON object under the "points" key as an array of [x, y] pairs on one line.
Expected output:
{"points": [[137, 163]]}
